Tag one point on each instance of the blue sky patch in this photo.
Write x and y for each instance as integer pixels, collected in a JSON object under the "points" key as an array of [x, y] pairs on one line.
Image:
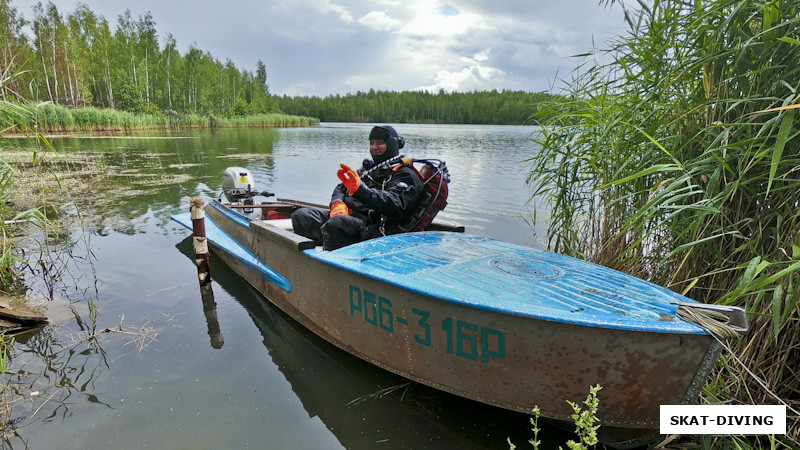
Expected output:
{"points": [[448, 10]]}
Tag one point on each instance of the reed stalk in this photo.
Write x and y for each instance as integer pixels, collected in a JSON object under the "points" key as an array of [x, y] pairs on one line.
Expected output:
{"points": [[14, 118], [674, 155], [5, 406]]}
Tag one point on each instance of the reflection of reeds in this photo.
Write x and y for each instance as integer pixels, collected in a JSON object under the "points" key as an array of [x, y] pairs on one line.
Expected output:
{"points": [[675, 156], [5, 408], [59, 364], [381, 392]]}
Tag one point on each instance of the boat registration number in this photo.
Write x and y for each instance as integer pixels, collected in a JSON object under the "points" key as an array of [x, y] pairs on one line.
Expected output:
{"points": [[459, 337]]}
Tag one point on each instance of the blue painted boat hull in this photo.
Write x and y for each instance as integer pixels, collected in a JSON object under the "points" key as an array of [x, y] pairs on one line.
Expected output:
{"points": [[496, 322]]}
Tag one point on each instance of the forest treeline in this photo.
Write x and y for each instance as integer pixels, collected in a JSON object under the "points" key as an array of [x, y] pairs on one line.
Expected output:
{"points": [[79, 60], [486, 107]]}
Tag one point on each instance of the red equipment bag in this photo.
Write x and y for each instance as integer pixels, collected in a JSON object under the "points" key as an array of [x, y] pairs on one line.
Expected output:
{"points": [[433, 198]]}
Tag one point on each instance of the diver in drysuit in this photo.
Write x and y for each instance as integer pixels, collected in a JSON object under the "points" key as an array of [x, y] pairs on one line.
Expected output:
{"points": [[368, 203]]}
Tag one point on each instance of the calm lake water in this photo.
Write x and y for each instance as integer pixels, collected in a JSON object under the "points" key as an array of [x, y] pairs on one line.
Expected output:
{"points": [[176, 370]]}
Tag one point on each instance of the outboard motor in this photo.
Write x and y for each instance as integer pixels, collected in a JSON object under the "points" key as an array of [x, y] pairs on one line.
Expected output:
{"points": [[237, 185]]}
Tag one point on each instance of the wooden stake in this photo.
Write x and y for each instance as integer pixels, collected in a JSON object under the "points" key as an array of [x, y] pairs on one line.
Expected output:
{"points": [[199, 242]]}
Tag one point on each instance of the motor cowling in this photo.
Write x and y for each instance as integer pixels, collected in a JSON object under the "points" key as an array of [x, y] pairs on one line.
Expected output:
{"points": [[237, 184]]}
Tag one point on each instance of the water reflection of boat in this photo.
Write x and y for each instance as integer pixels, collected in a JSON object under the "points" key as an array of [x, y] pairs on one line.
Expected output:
{"points": [[500, 323]]}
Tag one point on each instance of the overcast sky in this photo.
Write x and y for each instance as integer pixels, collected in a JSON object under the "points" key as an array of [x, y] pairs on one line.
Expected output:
{"points": [[323, 47]]}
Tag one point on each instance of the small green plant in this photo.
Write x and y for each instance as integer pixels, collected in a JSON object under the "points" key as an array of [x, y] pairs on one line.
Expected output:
{"points": [[535, 442], [586, 421]]}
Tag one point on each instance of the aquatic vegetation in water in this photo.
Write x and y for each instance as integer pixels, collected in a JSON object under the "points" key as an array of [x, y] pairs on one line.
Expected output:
{"points": [[62, 362]]}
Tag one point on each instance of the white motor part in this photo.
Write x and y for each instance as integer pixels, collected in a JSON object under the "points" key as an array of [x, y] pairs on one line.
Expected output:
{"points": [[237, 184]]}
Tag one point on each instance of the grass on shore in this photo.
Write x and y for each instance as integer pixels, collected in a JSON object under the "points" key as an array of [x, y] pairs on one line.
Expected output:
{"points": [[48, 118]]}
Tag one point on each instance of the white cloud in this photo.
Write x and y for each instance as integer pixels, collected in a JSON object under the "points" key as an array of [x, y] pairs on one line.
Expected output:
{"points": [[482, 56], [434, 49], [322, 7], [473, 75], [322, 47], [379, 21], [343, 13], [432, 20], [468, 79]]}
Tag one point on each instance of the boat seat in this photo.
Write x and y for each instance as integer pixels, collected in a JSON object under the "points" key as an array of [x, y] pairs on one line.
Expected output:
{"points": [[285, 224]]}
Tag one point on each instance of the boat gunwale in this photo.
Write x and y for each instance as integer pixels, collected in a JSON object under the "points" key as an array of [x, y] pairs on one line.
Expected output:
{"points": [[255, 262], [678, 326]]}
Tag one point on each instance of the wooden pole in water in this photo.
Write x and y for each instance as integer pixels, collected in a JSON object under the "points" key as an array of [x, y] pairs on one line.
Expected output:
{"points": [[201, 257]]}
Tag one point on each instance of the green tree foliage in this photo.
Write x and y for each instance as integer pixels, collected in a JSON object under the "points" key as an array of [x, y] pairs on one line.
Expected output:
{"points": [[130, 98], [14, 50], [79, 60], [492, 107]]}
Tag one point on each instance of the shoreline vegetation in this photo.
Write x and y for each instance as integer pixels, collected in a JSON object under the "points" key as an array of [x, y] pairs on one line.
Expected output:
{"points": [[677, 161], [474, 108], [49, 118]]}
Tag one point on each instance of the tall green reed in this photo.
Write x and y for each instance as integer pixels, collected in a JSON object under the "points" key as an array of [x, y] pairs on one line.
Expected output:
{"points": [[56, 118], [14, 118], [674, 155]]}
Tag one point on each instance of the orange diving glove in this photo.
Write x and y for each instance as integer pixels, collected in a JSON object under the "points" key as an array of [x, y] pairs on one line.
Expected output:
{"points": [[339, 208], [350, 178]]}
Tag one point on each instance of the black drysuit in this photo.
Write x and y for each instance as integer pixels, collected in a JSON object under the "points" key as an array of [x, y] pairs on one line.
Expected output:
{"points": [[380, 204]]}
